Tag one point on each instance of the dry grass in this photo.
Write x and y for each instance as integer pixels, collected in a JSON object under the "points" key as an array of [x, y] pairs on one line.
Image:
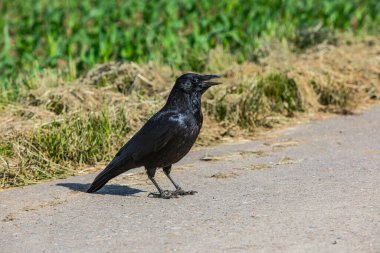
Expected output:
{"points": [[59, 128]]}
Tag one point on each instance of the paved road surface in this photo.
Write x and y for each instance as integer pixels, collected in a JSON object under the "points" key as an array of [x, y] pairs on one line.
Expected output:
{"points": [[311, 188]]}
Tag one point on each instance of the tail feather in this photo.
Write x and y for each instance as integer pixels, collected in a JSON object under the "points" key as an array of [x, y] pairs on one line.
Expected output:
{"points": [[113, 169]]}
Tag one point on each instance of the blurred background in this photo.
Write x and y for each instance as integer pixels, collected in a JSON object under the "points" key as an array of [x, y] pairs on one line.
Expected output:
{"points": [[76, 35], [77, 75]]}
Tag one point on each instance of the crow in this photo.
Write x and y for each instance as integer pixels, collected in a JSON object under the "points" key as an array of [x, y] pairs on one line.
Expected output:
{"points": [[165, 138]]}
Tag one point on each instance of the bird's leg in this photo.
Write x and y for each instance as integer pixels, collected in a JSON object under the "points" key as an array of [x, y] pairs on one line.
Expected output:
{"points": [[178, 189], [165, 194], [167, 171]]}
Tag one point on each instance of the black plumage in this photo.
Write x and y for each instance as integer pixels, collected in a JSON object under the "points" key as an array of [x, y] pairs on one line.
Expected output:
{"points": [[166, 138]]}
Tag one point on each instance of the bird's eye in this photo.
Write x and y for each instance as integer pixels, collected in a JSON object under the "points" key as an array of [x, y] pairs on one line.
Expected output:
{"points": [[195, 80]]}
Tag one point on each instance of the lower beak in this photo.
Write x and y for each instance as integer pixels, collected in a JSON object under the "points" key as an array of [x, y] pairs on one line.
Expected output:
{"points": [[205, 78]]}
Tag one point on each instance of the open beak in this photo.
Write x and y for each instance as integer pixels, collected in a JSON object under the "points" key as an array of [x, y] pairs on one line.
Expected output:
{"points": [[206, 78]]}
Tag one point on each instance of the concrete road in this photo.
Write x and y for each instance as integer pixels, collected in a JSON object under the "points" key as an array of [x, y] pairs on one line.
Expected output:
{"points": [[310, 188]]}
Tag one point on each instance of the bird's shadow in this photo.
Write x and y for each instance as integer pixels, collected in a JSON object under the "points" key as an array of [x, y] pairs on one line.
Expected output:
{"points": [[120, 190]]}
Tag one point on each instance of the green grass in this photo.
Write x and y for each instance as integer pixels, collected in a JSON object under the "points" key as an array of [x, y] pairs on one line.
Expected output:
{"points": [[251, 103], [75, 35], [81, 139], [58, 148], [332, 95], [281, 92], [6, 149]]}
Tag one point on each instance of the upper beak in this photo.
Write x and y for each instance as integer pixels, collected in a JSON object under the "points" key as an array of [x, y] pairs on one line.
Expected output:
{"points": [[205, 78]]}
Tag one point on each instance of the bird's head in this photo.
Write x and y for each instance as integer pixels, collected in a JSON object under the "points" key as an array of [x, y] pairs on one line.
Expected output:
{"points": [[191, 82]]}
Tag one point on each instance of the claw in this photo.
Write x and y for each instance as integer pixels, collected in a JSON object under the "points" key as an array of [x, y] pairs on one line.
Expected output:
{"points": [[164, 195]]}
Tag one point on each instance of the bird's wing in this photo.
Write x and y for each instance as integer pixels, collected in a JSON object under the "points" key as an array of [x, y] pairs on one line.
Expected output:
{"points": [[154, 135]]}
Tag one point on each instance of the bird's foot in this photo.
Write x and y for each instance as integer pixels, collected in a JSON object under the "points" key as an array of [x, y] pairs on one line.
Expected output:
{"points": [[163, 195], [181, 192]]}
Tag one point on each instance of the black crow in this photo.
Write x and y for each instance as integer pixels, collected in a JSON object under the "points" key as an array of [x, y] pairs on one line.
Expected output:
{"points": [[165, 138]]}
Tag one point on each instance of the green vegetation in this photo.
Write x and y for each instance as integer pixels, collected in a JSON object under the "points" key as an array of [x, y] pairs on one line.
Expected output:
{"points": [[249, 105], [330, 94], [81, 139], [6, 149], [75, 35], [54, 149]]}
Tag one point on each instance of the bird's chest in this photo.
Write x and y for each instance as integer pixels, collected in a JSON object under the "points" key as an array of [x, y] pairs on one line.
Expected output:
{"points": [[190, 127], [196, 111], [187, 135]]}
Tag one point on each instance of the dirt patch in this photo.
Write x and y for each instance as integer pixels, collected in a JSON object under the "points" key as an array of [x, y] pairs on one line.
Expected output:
{"points": [[208, 158], [9, 217], [283, 144], [258, 153], [225, 175], [54, 202], [183, 167], [287, 160], [259, 166]]}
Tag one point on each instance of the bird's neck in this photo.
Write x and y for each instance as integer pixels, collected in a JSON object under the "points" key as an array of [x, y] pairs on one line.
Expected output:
{"points": [[179, 100]]}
